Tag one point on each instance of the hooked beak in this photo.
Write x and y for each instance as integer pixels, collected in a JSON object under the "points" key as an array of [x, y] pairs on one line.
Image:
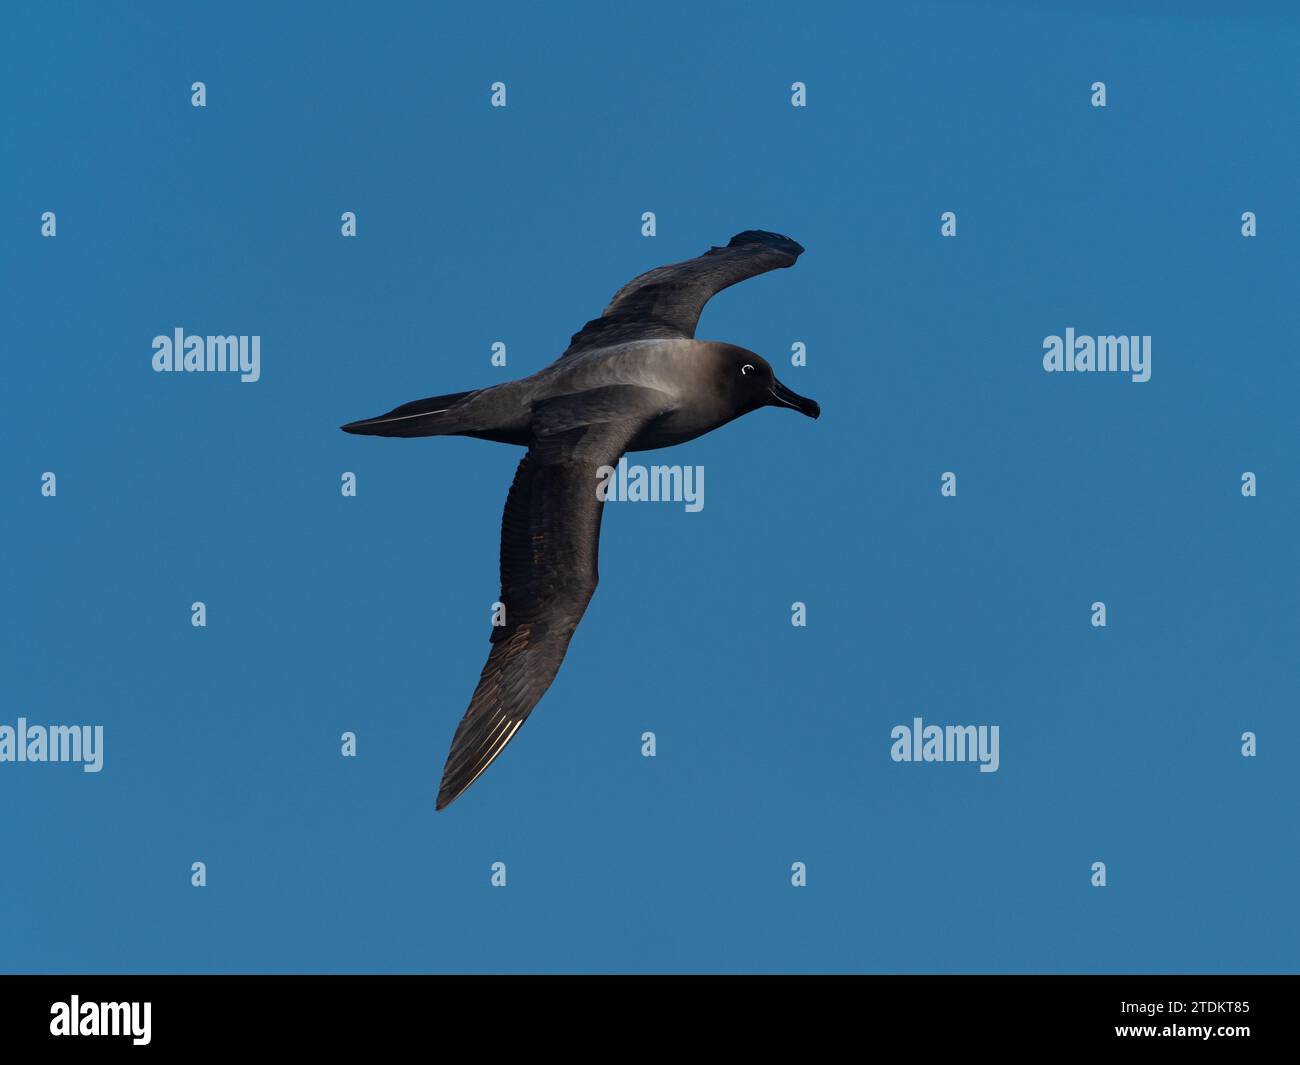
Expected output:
{"points": [[783, 397]]}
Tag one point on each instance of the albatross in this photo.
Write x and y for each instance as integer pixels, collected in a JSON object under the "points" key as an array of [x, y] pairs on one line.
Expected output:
{"points": [[634, 379]]}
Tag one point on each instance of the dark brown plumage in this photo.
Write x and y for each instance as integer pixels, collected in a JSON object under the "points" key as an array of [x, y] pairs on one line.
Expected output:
{"points": [[633, 379]]}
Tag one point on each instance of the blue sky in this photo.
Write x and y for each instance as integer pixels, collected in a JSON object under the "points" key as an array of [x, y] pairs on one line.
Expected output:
{"points": [[371, 614]]}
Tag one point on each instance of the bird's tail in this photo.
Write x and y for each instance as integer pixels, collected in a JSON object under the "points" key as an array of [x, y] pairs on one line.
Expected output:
{"points": [[435, 416]]}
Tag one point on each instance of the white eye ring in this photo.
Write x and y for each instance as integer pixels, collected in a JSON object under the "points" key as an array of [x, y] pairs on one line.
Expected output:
{"points": [[746, 368]]}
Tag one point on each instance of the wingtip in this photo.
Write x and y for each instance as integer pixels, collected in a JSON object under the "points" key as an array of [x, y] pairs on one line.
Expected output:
{"points": [[447, 795], [772, 240], [366, 427]]}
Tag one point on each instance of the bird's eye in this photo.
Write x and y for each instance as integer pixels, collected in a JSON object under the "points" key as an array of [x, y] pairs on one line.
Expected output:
{"points": [[746, 368]]}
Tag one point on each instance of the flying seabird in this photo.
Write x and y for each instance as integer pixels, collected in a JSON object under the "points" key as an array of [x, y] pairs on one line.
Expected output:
{"points": [[634, 379]]}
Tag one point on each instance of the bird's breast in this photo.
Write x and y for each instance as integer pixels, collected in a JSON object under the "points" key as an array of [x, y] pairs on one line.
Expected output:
{"points": [[685, 423], [677, 368]]}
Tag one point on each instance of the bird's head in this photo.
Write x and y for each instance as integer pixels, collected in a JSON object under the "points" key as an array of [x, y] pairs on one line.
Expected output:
{"points": [[751, 382]]}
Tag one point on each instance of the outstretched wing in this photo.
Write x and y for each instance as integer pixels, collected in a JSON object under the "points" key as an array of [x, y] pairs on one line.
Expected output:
{"points": [[667, 301], [550, 536]]}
